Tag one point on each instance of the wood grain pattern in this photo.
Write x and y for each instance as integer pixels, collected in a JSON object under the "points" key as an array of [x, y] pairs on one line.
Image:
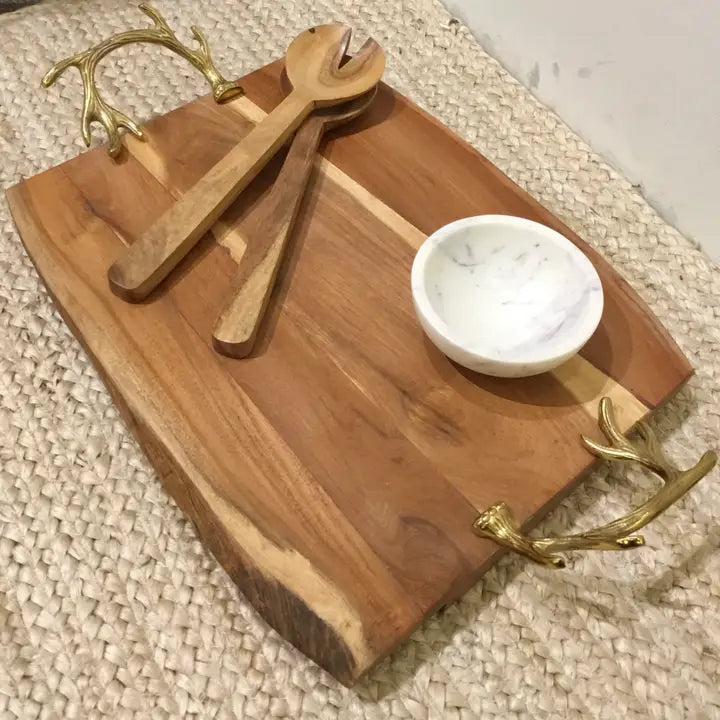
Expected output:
{"points": [[144, 265], [336, 472], [312, 64], [237, 326]]}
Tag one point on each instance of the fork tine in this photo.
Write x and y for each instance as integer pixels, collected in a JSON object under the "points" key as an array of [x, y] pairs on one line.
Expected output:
{"points": [[369, 49], [342, 47]]}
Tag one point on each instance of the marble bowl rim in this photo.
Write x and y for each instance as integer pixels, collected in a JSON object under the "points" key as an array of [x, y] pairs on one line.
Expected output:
{"points": [[429, 315]]}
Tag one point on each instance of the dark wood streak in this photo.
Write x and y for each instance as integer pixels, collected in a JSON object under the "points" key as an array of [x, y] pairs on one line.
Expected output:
{"points": [[346, 443], [281, 608], [469, 184]]}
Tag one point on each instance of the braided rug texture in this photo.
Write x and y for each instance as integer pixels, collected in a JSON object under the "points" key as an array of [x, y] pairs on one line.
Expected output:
{"points": [[109, 606]]}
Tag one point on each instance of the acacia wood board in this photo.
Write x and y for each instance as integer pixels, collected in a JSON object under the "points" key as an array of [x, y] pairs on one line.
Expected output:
{"points": [[337, 471]]}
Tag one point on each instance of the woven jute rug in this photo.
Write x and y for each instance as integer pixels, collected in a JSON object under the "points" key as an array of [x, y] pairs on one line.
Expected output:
{"points": [[109, 604]]}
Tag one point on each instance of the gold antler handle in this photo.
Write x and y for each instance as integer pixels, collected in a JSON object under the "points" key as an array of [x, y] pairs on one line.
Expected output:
{"points": [[498, 523], [95, 109]]}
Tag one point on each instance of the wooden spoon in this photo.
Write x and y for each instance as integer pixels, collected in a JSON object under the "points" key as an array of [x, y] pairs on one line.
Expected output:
{"points": [[237, 325], [313, 67]]}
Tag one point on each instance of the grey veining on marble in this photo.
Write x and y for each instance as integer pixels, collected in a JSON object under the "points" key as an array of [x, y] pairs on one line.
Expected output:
{"points": [[504, 295]]}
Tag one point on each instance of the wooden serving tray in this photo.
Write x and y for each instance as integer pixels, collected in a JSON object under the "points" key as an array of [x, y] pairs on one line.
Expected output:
{"points": [[337, 472]]}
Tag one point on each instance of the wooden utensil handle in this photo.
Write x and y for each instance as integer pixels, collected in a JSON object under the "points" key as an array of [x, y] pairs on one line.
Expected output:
{"points": [[237, 326], [149, 260]]}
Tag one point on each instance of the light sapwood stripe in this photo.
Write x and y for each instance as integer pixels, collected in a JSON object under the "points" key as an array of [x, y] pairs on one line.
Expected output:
{"points": [[577, 375], [232, 239], [144, 150], [285, 566], [247, 108], [164, 417], [147, 154], [393, 220]]}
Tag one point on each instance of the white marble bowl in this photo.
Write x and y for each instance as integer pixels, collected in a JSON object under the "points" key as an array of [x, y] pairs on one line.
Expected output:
{"points": [[505, 296]]}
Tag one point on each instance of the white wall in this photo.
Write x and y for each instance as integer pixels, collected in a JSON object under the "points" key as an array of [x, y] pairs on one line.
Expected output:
{"points": [[639, 80]]}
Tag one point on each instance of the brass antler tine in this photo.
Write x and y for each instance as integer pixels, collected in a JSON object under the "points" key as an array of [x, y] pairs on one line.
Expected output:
{"points": [[645, 450], [498, 523], [95, 109]]}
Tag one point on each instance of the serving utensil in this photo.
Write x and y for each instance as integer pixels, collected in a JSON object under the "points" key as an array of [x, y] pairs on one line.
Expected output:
{"points": [[313, 67], [237, 325]]}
